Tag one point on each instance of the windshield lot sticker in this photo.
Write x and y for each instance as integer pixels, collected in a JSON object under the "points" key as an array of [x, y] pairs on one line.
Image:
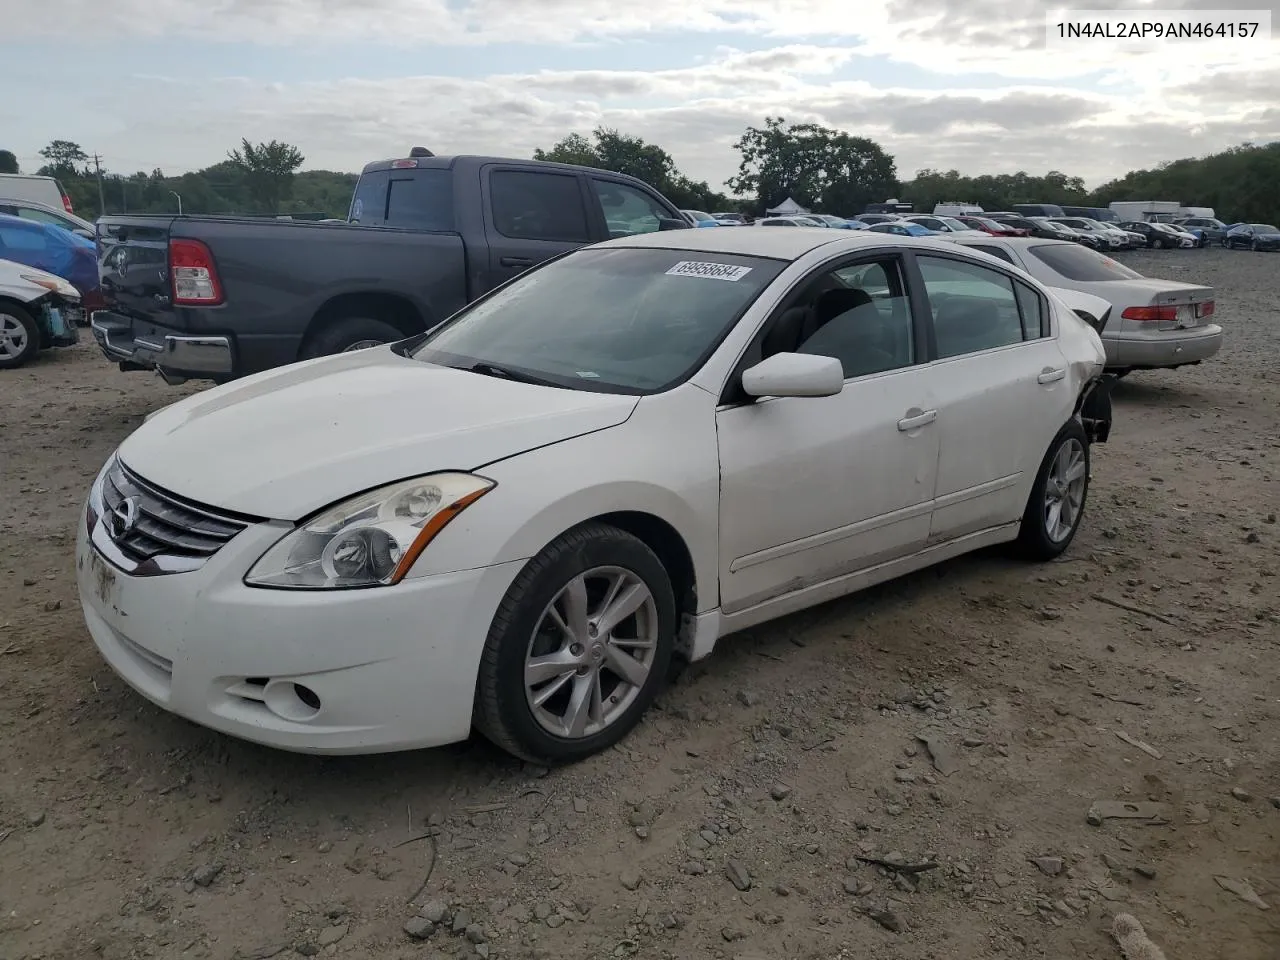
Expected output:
{"points": [[709, 271]]}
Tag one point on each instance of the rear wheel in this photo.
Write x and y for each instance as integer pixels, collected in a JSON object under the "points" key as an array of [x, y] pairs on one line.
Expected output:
{"points": [[1057, 500], [350, 333], [578, 648], [19, 336]]}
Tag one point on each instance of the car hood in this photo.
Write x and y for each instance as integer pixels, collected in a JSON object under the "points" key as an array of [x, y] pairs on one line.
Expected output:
{"points": [[289, 441]]}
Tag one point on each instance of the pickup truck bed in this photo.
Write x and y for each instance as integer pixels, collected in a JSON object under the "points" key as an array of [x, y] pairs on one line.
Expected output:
{"points": [[220, 297]]}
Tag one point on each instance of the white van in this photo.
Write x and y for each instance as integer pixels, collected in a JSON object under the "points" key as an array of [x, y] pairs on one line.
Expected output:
{"points": [[957, 210], [21, 186]]}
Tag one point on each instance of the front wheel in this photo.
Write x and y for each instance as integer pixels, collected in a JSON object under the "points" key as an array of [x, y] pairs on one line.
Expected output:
{"points": [[578, 648], [1057, 500], [19, 336]]}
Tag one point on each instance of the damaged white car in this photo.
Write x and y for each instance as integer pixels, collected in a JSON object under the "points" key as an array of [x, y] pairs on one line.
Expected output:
{"points": [[513, 522]]}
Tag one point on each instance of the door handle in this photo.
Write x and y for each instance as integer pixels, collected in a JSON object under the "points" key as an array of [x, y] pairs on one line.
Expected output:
{"points": [[516, 262], [917, 418], [1050, 375]]}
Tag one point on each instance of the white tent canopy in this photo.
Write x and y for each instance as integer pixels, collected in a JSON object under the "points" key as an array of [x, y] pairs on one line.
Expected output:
{"points": [[788, 207]]}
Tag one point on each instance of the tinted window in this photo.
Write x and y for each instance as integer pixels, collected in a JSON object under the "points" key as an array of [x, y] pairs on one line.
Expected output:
{"points": [[974, 308], [1035, 319], [618, 320], [993, 250], [628, 211], [423, 201], [529, 205], [1080, 263], [860, 316]]}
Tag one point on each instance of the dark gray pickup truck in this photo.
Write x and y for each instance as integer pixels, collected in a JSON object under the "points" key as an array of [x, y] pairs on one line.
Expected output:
{"points": [[215, 298]]}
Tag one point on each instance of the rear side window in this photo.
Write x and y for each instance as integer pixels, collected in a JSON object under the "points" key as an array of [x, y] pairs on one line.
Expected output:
{"points": [[415, 199], [1035, 319], [993, 250], [529, 205], [1080, 263]]}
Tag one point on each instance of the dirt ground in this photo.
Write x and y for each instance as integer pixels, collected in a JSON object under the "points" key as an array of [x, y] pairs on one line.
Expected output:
{"points": [[1142, 668]]}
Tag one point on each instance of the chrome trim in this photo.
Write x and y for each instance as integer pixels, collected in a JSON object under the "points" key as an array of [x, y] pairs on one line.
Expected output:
{"points": [[199, 354]]}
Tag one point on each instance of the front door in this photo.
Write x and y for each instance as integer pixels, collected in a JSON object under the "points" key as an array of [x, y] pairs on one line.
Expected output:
{"points": [[812, 489], [1001, 387]]}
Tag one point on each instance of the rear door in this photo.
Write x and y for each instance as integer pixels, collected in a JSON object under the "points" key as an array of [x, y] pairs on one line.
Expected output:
{"points": [[1000, 382], [530, 216]]}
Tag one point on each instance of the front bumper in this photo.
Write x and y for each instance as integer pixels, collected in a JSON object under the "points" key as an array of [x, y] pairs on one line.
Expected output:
{"points": [[342, 671], [1163, 349], [147, 346]]}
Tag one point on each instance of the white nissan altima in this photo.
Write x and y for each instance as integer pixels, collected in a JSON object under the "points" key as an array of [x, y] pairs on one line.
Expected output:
{"points": [[514, 522]]}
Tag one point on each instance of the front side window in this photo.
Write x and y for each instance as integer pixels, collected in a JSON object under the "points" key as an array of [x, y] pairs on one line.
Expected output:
{"points": [[532, 205], [628, 211], [1080, 263], [974, 307], [609, 320]]}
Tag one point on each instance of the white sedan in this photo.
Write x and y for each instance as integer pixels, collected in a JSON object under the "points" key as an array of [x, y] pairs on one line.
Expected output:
{"points": [[516, 520], [1152, 323]]}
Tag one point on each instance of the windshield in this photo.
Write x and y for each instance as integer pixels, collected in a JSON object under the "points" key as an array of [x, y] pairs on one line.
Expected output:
{"points": [[955, 224], [1080, 263], [620, 320]]}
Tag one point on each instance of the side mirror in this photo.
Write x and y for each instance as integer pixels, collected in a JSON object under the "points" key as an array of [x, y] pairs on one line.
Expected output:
{"points": [[794, 375], [670, 223]]}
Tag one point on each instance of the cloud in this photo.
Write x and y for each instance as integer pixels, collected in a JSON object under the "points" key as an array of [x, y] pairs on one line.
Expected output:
{"points": [[696, 113], [1090, 111]]}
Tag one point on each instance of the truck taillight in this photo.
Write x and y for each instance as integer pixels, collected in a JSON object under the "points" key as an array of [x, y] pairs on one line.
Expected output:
{"points": [[195, 277], [1150, 314], [66, 203]]}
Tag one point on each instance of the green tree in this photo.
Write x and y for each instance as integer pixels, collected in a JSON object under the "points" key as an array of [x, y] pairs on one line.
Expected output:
{"points": [[819, 167], [612, 150], [61, 159], [268, 170], [8, 162]]}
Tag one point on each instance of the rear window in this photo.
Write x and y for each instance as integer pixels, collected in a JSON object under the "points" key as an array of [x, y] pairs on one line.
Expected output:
{"points": [[1080, 263], [415, 199]]}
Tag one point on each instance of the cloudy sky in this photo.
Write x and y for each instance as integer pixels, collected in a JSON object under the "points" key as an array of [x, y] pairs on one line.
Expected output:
{"points": [[967, 84]]}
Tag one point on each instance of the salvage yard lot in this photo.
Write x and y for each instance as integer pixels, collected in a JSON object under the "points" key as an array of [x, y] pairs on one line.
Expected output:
{"points": [[1141, 667]]}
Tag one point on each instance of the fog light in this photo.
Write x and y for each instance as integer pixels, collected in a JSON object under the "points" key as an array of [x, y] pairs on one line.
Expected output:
{"points": [[291, 701]]}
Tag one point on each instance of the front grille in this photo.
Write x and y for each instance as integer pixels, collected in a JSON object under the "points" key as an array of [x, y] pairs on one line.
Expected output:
{"points": [[163, 523]]}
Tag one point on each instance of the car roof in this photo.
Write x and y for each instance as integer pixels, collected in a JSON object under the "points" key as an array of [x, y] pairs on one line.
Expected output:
{"points": [[775, 244], [1019, 243]]}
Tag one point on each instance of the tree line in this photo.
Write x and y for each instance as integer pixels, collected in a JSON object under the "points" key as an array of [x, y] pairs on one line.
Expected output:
{"points": [[823, 169]]}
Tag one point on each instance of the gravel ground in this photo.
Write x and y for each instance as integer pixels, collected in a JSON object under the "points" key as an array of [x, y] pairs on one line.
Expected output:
{"points": [[739, 821]]}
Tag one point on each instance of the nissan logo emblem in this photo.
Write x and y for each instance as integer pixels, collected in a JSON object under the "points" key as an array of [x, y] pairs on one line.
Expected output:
{"points": [[123, 518]]}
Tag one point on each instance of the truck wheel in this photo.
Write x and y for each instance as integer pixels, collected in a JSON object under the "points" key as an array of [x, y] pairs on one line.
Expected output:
{"points": [[350, 333], [19, 336]]}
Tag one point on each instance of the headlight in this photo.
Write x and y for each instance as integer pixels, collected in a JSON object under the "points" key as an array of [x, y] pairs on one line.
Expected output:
{"points": [[370, 540], [56, 284]]}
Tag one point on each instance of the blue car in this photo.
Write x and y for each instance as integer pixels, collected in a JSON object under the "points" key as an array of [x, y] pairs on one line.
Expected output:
{"points": [[700, 219], [1255, 236], [902, 228], [55, 250]]}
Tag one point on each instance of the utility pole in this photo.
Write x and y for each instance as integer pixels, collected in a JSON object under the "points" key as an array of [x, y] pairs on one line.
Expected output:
{"points": [[102, 197]]}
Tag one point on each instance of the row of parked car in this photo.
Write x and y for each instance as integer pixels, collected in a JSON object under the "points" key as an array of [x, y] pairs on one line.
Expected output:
{"points": [[1186, 233]]}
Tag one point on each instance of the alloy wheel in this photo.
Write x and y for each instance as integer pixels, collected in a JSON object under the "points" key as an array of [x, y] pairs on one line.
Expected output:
{"points": [[13, 337], [591, 652], [1064, 490]]}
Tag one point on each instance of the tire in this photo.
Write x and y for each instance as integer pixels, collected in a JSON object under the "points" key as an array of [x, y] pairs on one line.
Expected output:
{"points": [[523, 629], [1035, 542], [19, 336], [350, 333], [1253, 245]]}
